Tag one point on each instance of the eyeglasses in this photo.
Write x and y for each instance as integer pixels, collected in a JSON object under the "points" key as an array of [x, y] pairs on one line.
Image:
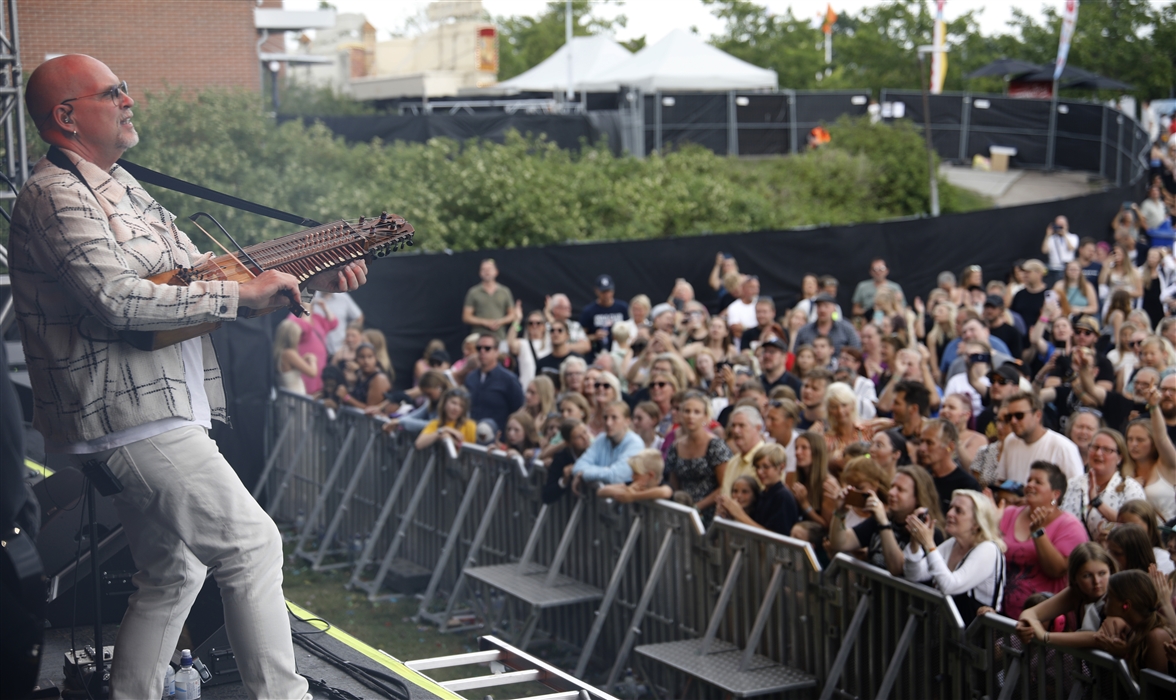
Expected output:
{"points": [[602, 385], [1134, 344], [1104, 448], [535, 323], [113, 93], [1092, 411], [485, 348], [1083, 331], [1000, 380], [659, 385], [559, 329], [1017, 416]]}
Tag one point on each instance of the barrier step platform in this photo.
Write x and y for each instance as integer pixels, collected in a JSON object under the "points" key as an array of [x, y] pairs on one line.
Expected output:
{"points": [[530, 585], [720, 667]]}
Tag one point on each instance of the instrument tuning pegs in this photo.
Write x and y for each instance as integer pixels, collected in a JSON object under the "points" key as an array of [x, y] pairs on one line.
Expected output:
{"points": [[361, 220], [383, 217], [409, 242]]}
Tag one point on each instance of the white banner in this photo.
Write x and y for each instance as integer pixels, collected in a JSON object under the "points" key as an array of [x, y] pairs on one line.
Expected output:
{"points": [[939, 58], [1069, 19]]}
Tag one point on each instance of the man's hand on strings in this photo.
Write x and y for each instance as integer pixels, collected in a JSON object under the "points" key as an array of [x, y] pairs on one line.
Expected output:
{"points": [[348, 278], [270, 289]]}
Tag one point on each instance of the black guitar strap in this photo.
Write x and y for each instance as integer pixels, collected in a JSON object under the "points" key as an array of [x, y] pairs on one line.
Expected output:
{"points": [[154, 177]]}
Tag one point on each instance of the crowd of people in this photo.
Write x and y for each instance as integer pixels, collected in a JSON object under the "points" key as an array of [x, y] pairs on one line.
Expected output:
{"points": [[1007, 439]]}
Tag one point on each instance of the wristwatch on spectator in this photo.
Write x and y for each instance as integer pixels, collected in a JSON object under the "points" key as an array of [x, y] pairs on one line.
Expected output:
{"points": [[1096, 501], [1039, 532]]}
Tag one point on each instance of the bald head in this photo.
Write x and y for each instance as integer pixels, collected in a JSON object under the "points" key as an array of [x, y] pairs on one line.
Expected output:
{"points": [[59, 79], [75, 102]]}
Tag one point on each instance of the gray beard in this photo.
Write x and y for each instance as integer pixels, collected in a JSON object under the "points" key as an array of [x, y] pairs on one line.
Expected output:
{"points": [[129, 142]]}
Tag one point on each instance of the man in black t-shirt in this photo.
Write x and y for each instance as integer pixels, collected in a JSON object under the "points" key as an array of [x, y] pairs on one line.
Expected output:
{"points": [[775, 353], [994, 317], [1028, 301], [599, 317], [937, 446], [560, 348]]}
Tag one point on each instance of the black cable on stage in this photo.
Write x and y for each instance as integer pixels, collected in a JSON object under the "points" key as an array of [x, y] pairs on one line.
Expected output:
{"points": [[389, 685], [73, 623]]}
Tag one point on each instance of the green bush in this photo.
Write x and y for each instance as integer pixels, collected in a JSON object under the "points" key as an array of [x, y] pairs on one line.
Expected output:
{"points": [[524, 192]]}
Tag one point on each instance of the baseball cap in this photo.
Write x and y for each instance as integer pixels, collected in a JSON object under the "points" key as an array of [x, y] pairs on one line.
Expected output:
{"points": [[994, 300], [1008, 371], [825, 297], [1088, 322], [605, 283], [775, 343]]}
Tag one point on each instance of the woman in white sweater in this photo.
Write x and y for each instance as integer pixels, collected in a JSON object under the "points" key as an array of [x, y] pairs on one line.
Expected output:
{"points": [[969, 566]]}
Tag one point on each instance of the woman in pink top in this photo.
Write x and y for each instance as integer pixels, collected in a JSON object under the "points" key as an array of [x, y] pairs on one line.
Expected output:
{"points": [[314, 334], [1039, 537]]}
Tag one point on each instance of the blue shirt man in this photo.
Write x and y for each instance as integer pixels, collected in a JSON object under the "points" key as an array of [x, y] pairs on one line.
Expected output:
{"points": [[607, 459], [495, 393]]}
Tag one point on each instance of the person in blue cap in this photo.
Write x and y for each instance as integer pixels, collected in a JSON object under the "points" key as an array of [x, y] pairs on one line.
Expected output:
{"points": [[599, 317]]}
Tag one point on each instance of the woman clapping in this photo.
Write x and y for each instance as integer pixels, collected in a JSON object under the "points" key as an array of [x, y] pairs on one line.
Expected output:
{"points": [[969, 565]]}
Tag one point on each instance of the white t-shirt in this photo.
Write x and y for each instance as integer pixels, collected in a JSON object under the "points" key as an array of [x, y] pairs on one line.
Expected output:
{"points": [[790, 451], [1059, 252], [192, 352], [1051, 447], [741, 313]]}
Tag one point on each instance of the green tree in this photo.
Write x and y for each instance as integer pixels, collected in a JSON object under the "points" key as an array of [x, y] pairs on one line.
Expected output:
{"points": [[1129, 40], [525, 41]]}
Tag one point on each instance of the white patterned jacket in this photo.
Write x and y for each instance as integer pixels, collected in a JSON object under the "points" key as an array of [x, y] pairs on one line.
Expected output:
{"points": [[77, 263]]}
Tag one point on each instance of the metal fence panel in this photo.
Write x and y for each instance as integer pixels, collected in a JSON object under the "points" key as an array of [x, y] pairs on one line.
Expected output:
{"points": [[363, 499]]}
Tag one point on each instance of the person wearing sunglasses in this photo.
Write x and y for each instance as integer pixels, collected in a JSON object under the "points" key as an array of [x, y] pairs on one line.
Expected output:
{"points": [[495, 392], [85, 236], [1032, 442]]}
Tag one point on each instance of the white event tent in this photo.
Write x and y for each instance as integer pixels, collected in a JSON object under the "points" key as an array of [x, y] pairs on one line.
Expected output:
{"points": [[682, 61], [591, 56]]}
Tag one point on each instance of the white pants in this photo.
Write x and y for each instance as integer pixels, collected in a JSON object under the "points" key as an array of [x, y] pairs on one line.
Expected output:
{"points": [[184, 509]]}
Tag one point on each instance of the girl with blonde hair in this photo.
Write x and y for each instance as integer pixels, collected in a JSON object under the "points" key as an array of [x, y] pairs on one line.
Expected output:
{"points": [[291, 366]]}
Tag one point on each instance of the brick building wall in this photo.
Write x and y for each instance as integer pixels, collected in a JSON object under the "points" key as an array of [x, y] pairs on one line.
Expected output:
{"points": [[152, 44]]}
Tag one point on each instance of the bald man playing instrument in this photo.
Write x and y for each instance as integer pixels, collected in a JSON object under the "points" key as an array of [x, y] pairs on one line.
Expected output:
{"points": [[84, 235]]}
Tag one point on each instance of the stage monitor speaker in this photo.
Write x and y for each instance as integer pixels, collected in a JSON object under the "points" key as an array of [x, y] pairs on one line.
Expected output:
{"points": [[204, 633]]}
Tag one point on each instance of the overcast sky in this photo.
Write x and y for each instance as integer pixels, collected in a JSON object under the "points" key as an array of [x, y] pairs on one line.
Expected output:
{"points": [[656, 18]]}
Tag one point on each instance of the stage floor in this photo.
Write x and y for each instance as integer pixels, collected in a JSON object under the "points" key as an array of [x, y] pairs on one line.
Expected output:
{"points": [[335, 640]]}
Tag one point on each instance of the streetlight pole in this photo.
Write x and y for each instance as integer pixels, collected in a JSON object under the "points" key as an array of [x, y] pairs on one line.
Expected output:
{"points": [[932, 175]]}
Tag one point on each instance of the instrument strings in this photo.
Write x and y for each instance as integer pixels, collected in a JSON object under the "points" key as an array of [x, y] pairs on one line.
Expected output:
{"points": [[308, 252]]}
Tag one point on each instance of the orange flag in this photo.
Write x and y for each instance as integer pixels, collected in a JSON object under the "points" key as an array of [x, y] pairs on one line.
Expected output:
{"points": [[830, 19]]}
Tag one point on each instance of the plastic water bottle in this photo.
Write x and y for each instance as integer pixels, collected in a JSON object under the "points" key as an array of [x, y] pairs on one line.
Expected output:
{"points": [[187, 679], [169, 682]]}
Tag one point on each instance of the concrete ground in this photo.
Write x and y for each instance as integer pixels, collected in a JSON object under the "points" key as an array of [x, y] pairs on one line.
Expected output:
{"points": [[1030, 185]]}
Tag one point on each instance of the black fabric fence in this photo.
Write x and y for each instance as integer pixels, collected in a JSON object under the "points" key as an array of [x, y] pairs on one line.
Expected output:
{"points": [[566, 130], [1085, 136]]}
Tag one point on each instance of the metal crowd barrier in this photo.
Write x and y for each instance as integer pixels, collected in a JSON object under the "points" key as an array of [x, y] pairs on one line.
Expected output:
{"points": [[1010, 668], [620, 592], [886, 634], [760, 631]]}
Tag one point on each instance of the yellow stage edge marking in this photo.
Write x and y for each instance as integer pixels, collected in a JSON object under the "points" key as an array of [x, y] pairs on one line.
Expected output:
{"points": [[379, 656]]}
